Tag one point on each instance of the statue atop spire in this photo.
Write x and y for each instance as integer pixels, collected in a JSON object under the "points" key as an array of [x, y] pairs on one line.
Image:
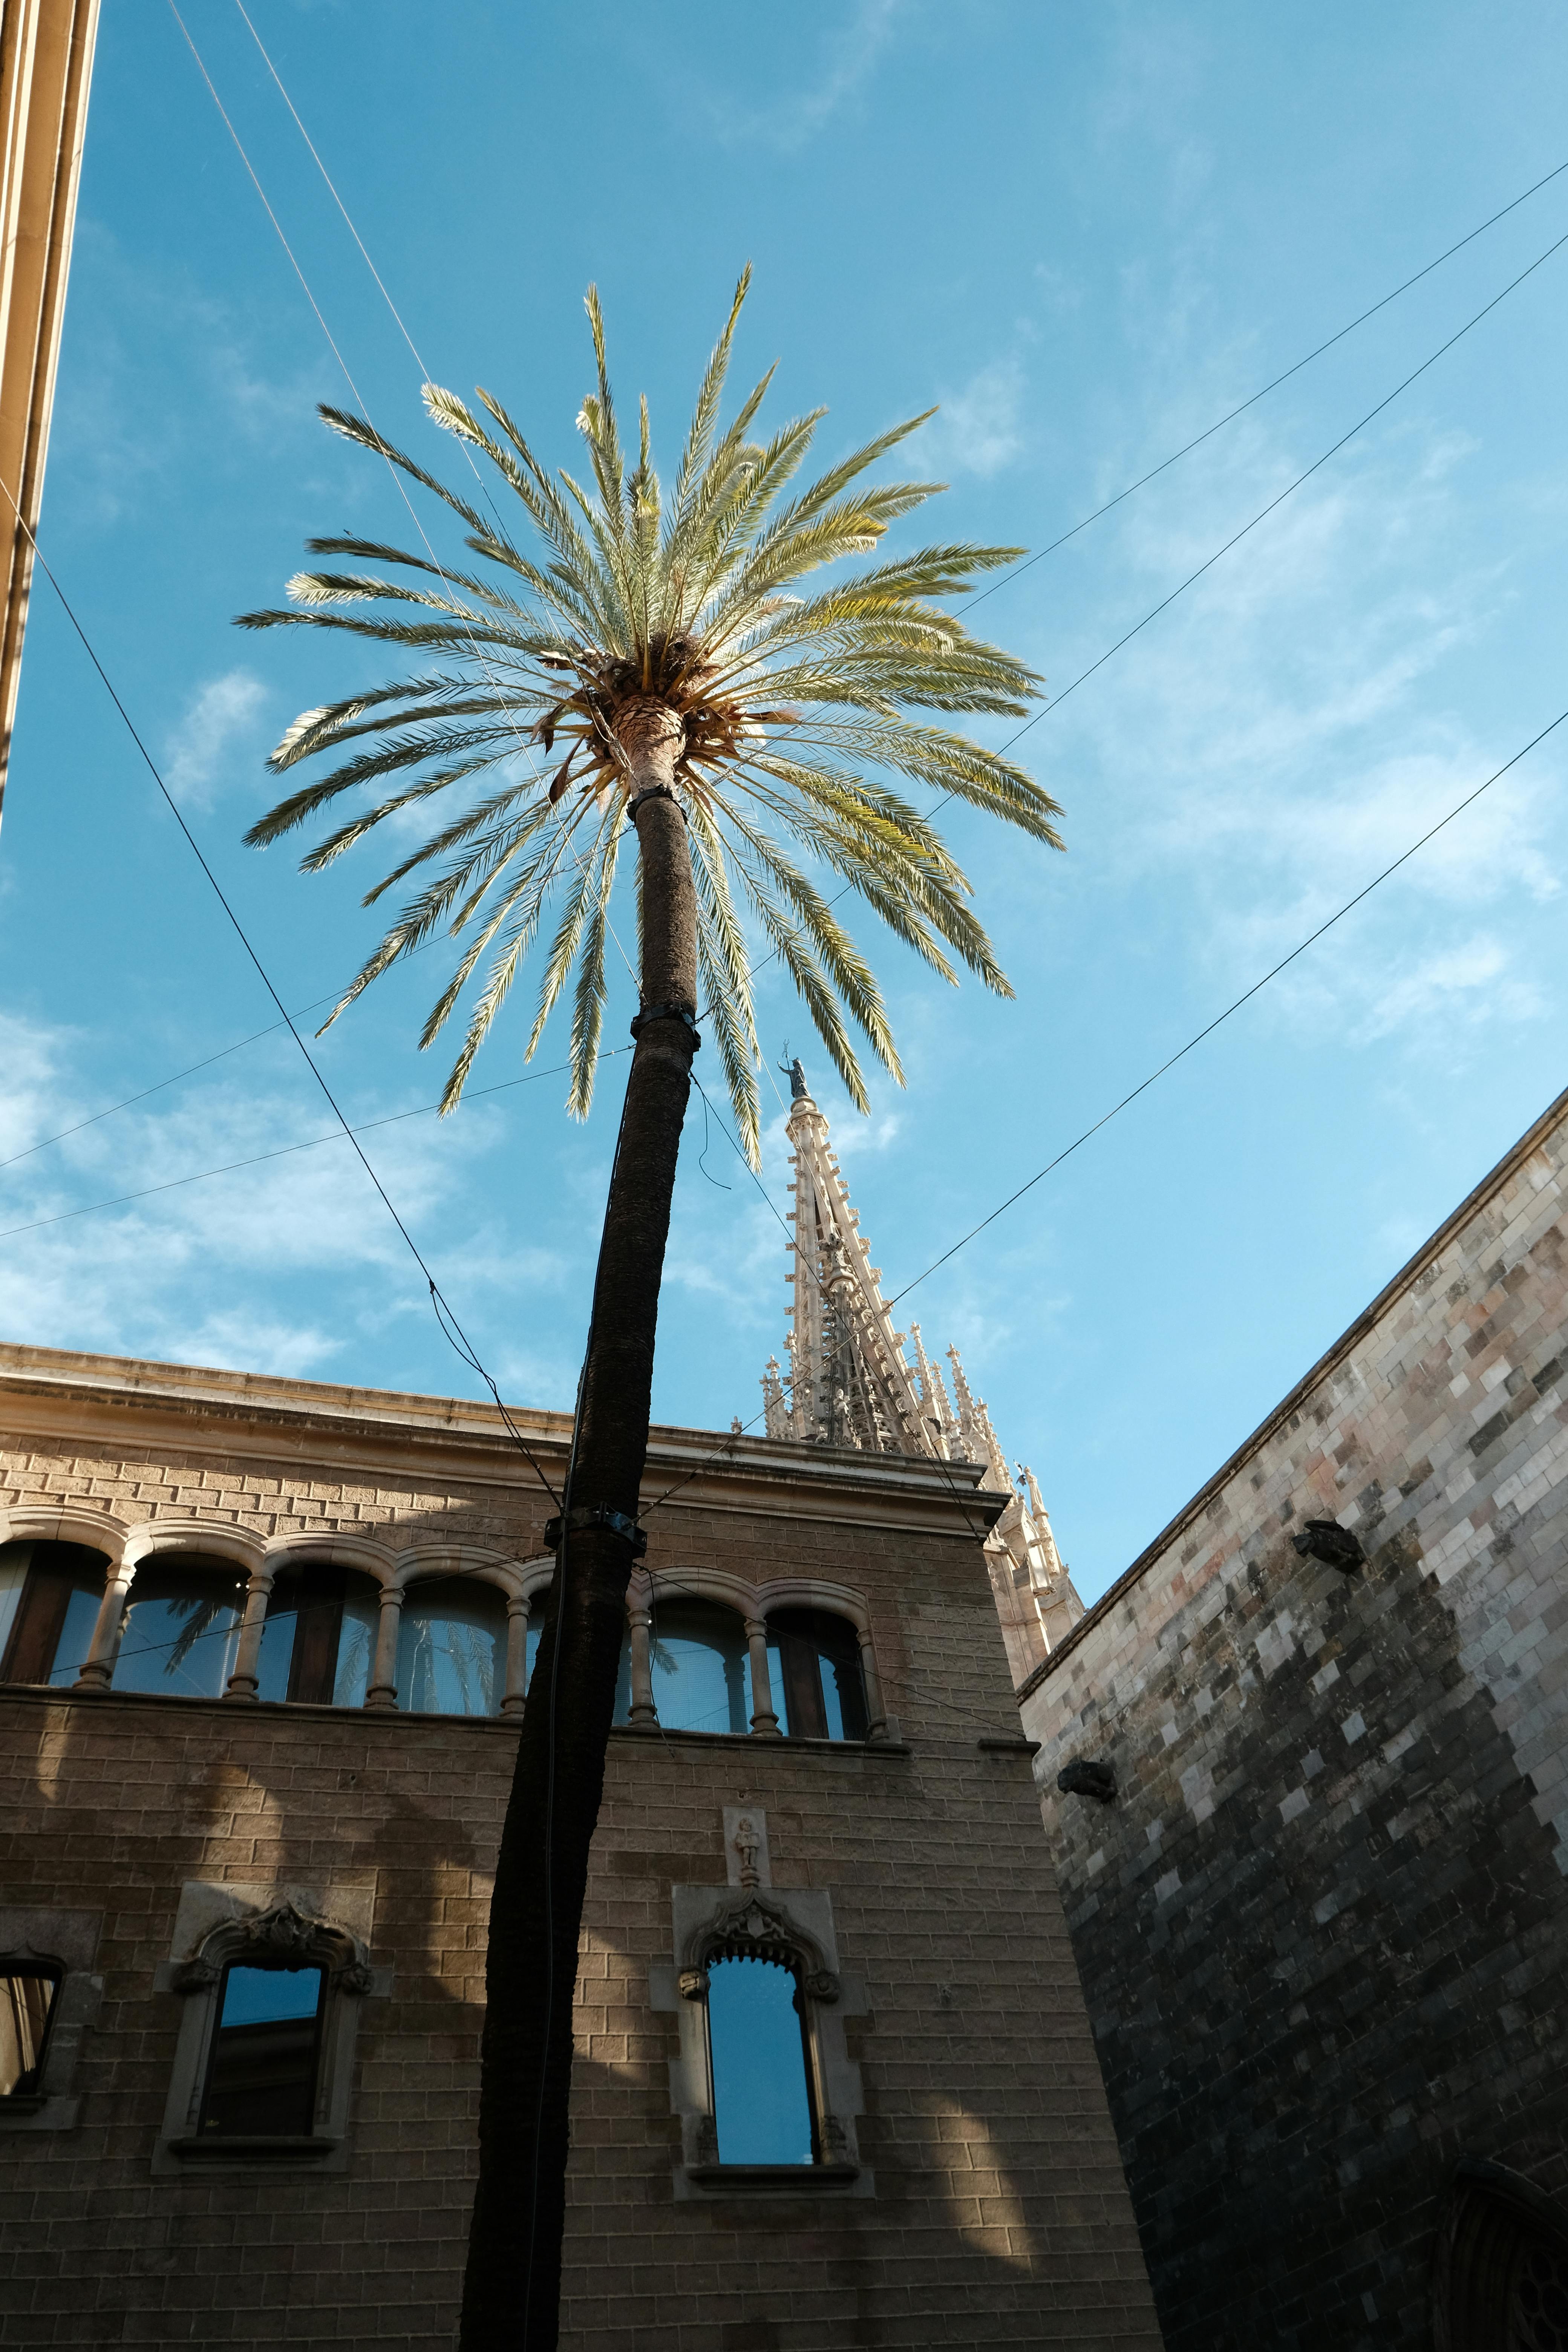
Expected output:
{"points": [[853, 1380]]}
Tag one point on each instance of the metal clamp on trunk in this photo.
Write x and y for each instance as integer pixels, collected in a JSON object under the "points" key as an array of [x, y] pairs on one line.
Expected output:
{"points": [[651, 793], [595, 1515], [670, 1012]]}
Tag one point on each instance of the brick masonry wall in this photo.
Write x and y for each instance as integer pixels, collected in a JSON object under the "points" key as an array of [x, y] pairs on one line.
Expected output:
{"points": [[1000, 2215], [1322, 1928]]}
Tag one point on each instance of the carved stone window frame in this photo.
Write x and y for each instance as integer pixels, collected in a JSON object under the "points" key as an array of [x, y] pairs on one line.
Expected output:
{"points": [[794, 1926], [220, 1923], [66, 1940]]}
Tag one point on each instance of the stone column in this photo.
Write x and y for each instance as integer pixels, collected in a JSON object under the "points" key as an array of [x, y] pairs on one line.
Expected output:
{"points": [[98, 1667], [382, 1692], [517, 1611], [244, 1682], [644, 1711], [877, 1726], [764, 1722]]}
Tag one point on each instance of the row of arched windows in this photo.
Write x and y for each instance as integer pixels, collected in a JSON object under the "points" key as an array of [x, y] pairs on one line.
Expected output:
{"points": [[191, 1627]]}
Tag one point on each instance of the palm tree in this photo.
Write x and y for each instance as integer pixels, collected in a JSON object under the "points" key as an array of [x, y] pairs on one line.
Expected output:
{"points": [[654, 649]]}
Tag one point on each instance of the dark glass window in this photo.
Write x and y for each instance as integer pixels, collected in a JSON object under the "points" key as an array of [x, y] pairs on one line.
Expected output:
{"points": [[318, 1641], [701, 1668], [182, 1626], [756, 2040], [451, 1648], [261, 2076], [49, 1597], [28, 1990], [819, 1690]]}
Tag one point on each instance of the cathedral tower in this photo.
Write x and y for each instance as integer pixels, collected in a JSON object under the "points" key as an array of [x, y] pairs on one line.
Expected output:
{"points": [[853, 1380]]}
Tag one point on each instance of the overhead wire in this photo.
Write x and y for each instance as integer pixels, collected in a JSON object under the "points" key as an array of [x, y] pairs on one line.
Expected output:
{"points": [[1154, 614], [440, 1305], [1252, 400], [1154, 1075], [963, 603], [566, 838], [130, 1102], [1054, 702], [524, 740], [286, 1150]]}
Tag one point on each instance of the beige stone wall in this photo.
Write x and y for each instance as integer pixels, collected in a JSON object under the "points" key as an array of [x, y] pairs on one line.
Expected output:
{"points": [[999, 2216]]}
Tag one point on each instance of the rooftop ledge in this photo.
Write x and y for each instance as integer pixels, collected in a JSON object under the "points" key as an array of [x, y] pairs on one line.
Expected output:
{"points": [[57, 1389]]}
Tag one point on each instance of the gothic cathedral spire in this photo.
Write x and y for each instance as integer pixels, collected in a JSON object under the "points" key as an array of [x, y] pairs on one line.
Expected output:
{"points": [[854, 1380]]}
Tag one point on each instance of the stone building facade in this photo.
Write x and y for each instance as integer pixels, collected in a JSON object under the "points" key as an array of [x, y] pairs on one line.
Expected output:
{"points": [[1314, 1827], [315, 1795]]}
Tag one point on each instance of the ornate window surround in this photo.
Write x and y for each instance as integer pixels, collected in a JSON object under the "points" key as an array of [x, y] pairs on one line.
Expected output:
{"points": [[69, 1939], [793, 1926], [218, 1923]]}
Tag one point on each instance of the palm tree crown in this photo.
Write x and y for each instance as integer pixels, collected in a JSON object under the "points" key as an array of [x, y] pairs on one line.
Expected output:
{"points": [[782, 702]]}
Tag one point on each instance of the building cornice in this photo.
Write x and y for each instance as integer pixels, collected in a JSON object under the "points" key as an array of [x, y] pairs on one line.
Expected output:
{"points": [[54, 1394], [1508, 1166]]}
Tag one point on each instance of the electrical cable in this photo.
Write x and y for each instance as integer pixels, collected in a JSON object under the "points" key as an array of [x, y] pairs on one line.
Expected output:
{"points": [[1160, 607], [1272, 385], [223, 1051], [566, 841], [1081, 1139], [1170, 1063], [523, 736], [285, 1150], [443, 1310], [1244, 998], [1055, 702], [1138, 626]]}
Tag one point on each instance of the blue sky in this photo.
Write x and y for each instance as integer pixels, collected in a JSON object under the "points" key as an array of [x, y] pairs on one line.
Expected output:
{"points": [[1088, 233]]}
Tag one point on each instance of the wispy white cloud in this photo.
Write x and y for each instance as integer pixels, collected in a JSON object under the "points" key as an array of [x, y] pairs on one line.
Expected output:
{"points": [[218, 718], [1470, 983], [274, 1265], [977, 430], [1282, 733], [794, 118]]}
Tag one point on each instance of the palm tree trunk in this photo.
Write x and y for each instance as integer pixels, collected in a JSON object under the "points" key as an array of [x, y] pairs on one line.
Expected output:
{"points": [[512, 2288]]}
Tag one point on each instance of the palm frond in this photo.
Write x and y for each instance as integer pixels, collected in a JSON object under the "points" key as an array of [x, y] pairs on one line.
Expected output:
{"points": [[804, 747]]}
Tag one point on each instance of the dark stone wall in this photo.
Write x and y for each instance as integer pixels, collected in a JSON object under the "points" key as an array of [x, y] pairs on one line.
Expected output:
{"points": [[1302, 2037], [1323, 1927]]}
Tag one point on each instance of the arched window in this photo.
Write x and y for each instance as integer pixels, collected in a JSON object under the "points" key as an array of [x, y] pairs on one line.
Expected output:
{"points": [[319, 1640], [766, 2089], [1501, 2263], [266, 2051], [451, 1647], [49, 1596], [28, 1992], [757, 2050], [819, 1689], [701, 1667], [181, 1626], [264, 2063]]}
